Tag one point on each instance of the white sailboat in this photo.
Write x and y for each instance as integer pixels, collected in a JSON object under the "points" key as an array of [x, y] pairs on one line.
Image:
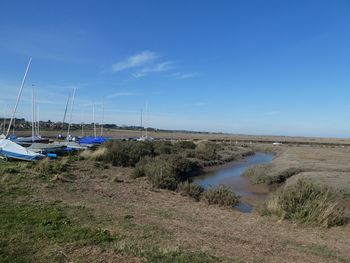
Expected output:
{"points": [[35, 138], [145, 137], [9, 149]]}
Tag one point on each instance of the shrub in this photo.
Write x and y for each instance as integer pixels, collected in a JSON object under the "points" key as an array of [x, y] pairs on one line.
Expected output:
{"points": [[127, 153], [163, 147], [221, 196], [166, 171], [307, 203], [207, 151], [192, 190], [183, 167], [188, 153], [183, 145], [160, 174], [140, 167]]}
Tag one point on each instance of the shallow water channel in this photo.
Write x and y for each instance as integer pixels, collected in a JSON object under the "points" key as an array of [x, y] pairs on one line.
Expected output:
{"points": [[230, 175]]}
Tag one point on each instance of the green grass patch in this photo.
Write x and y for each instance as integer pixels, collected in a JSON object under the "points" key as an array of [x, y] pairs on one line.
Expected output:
{"points": [[27, 231]]}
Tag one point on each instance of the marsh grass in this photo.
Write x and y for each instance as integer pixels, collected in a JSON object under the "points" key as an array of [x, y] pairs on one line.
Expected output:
{"points": [[221, 196], [307, 203], [268, 174], [192, 190]]}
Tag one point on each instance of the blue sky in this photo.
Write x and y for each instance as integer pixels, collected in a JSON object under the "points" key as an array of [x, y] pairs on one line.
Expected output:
{"points": [[253, 67]]}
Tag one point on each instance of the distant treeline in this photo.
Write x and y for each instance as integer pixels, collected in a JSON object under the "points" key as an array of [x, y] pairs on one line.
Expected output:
{"points": [[22, 124]]}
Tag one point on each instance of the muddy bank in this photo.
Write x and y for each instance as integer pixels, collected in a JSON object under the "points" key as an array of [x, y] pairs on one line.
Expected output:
{"points": [[230, 175]]}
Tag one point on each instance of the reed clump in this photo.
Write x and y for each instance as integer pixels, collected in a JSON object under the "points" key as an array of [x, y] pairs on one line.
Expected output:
{"points": [[307, 203], [221, 196], [192, 190]]}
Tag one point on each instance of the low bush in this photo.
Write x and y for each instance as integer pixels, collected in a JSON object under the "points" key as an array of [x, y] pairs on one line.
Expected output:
{"points": [[140, 167], [184, 145], [160, 173], [221, 196], [207, 151], [126, 153], [163, 147], [166, 171], [307, 203], [192, 190]]}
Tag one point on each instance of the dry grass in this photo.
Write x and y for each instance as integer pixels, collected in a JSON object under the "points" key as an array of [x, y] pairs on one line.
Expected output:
{"points": [[162, 225], [94, 155], [323, 165]]}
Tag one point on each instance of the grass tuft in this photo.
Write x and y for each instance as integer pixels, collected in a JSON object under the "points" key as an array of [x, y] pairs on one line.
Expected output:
{"points": [[307, 203], [192, 190], [221, 196]]}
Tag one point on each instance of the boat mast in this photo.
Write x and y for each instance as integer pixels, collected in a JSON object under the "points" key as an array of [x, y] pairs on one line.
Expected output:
{"points": [[93, 118], [4, 124], [71, 112], [33, 113], [38, 130], [19, 96], [103, 116], [141, 127], [65, 112], [146, 120]]}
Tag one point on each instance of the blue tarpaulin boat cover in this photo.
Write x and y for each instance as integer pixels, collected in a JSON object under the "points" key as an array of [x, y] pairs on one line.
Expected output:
{"points": [[92, 140]]}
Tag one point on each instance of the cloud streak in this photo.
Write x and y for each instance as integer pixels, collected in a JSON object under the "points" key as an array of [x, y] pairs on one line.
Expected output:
{"points": [[159, 67], [135, 61], [143, 64]]}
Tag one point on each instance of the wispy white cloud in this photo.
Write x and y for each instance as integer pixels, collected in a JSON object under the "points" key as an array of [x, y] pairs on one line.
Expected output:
{"points": [[159, 67], [135, 61], [143, 64], [180, 75]]}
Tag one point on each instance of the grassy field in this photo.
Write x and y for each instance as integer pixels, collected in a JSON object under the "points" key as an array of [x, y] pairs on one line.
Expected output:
{"points": [[120, 133], [76, 210], [324, 165]]}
